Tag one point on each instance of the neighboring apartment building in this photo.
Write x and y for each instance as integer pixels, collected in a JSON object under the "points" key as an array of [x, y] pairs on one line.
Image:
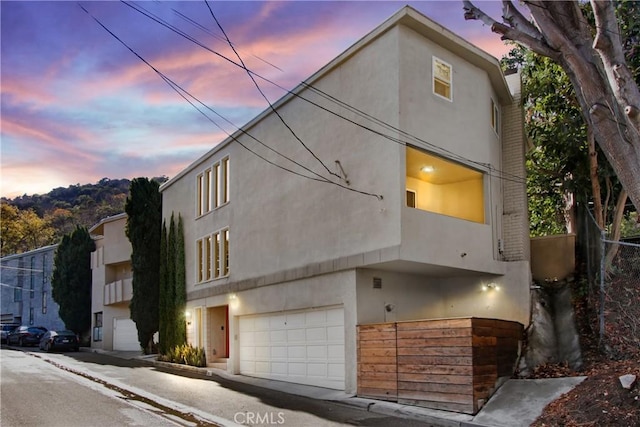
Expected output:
{"points": [[112, 327], [281, 269], [26, 295]]}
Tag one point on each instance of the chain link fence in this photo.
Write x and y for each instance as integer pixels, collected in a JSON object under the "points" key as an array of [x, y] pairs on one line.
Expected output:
{"points": [[613, 285]]}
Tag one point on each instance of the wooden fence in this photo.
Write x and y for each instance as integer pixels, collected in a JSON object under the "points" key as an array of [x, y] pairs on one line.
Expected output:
{"points": [[449, 364]]}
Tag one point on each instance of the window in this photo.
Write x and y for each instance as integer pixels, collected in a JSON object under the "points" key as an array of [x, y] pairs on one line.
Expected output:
{"points": [[44, 269], [442, 78], [411, 199], [225, 252], [31, 315], [17, 294], [212, 187], [97, 326], [213, 256], [224, 180], [495, 117], [445, 187], [32, 278], [204, 192], [44, 302], [221, 186]]}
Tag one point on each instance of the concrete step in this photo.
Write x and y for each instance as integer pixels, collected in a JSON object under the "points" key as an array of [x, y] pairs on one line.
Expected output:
{"points": [[218, 363]]}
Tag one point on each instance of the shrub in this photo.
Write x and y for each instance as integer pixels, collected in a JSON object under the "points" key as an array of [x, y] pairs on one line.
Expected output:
{"points": [[185, 354]]}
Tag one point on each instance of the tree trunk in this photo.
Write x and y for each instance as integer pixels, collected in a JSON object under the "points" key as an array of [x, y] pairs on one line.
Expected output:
{"points": [[604, 85]]}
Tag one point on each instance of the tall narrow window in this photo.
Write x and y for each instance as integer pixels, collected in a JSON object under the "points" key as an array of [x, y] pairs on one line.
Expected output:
{"points": [[225, 252], [216, 256], [442, 78], [31, 315], [44, 270], [17, 294], [207, 254], [44, 302], [207, 190], [32, 275], [199, 191], [224, 185], [495, 117], [216, 185], [200, 250]]}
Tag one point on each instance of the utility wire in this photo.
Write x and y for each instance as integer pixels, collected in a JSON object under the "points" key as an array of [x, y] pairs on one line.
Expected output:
{"points": [[265, 96], [500, 174], [211, 33], [181, 91]]}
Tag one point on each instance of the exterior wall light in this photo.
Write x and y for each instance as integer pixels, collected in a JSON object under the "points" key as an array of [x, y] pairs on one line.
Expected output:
{"points": [[187, 315], [488, 286]]}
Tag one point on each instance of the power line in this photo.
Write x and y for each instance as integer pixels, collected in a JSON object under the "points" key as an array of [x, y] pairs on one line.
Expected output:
{"points": [[500, 174], [181, 91], [211, 33], [264, 96]]}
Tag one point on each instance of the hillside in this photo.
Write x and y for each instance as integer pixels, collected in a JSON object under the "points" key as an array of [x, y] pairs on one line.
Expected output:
{"points": [[33, 221]]}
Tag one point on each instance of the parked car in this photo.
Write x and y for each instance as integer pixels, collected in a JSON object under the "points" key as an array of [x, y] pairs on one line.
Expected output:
{"points": [[26, 335], [5, 329], [59, 340]]}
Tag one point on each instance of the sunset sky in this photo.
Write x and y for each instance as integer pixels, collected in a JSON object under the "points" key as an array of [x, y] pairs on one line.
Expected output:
{"points": [[78, 106]]}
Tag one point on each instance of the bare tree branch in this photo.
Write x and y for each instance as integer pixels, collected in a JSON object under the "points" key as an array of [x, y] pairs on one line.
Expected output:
{"points": [[507, 31]]}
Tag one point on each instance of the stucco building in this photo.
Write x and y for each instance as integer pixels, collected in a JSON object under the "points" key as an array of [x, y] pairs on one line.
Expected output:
{"points": [[424, 217], [26, 295], [112, 327]]}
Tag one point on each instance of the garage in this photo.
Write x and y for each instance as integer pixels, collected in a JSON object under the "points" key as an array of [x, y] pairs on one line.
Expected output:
{"points": [[303, 347], [125, 335]]}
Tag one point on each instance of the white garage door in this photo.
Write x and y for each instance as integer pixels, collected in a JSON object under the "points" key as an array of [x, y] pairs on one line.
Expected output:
{"points": [[304, 347], [125, 335]]}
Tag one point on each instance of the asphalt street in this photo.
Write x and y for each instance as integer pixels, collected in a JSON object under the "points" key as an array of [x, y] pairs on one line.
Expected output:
{"points": [[30, 377]]}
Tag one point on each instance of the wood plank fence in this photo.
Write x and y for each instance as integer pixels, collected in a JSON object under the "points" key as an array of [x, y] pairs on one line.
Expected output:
{"points": [[448, 364]]}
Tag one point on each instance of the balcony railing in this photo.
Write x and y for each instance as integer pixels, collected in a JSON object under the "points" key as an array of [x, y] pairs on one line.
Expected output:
{"points": [[118, 291]]}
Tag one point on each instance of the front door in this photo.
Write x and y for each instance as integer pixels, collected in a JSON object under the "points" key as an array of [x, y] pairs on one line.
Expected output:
{"points": [[218, 328]]}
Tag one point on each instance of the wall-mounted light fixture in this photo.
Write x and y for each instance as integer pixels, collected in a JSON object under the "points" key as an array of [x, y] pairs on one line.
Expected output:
{"points": [[187, 316], [490, 286]]}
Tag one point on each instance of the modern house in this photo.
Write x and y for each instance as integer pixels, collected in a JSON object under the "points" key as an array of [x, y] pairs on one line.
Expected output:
{"points": [[112, 327], [424, 215], [25, 286]]}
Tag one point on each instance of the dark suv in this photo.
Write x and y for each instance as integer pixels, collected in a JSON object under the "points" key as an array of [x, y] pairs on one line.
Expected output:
{"points": [[26, 335]]}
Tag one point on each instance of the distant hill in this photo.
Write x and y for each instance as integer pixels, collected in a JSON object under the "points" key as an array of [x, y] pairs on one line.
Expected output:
{"points": [[59, 212]]}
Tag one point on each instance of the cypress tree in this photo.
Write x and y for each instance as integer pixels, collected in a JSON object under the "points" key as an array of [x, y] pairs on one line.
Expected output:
{"points": [[171, 285], [180, 285], [144, 211], [163, 303], [71, 280]]}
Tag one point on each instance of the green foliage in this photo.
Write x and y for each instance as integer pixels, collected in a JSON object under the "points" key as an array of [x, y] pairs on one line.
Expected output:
{"points": [[173, 287], [180, 285], [630, 225], [62, 209], [185, 354], [22, 230], [558, 158], [71, 281], [144, 216], [164, 298]]}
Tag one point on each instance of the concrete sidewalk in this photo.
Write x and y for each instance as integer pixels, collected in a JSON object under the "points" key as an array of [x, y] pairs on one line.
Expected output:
{"points": [[516, 404]]}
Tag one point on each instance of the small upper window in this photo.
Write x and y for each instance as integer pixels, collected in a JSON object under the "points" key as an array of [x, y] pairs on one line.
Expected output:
{"points": [[495, 117], [442, 78]]}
